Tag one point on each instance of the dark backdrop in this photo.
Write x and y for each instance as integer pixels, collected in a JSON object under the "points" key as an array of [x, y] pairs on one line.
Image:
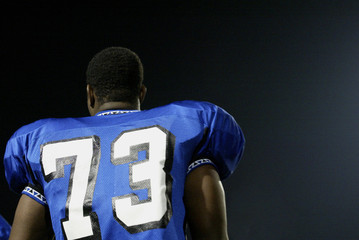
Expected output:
{"points": [[287, 71]]}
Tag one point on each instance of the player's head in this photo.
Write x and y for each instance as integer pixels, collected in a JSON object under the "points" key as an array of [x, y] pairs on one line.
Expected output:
{"points": [[115, 74]]}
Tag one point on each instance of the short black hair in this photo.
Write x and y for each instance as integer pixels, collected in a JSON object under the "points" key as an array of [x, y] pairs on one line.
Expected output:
{"points": [[116, 74]]}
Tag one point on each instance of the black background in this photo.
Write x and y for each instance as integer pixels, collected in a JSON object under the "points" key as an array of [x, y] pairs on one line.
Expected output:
{"points": [[286, 70]]}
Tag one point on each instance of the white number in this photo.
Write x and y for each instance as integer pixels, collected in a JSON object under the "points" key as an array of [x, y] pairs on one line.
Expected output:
{"points": [[151, 173], [82, 153]]}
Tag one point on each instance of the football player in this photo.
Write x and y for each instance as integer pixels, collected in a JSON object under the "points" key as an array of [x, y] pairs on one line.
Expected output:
{"points": [[123, 173]]}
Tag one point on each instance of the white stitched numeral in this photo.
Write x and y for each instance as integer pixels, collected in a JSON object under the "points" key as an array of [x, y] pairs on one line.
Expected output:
{"points": [[83, 155], [150, 173]]}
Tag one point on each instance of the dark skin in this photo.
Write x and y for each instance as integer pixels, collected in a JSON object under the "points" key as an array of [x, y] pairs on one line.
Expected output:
{"points": [[31, 221], [205, 204], [203, 195], [94, 106]]}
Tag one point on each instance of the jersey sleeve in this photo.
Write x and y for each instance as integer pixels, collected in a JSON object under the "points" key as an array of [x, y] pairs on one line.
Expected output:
{"points": [[223, 141], [5, 228], [17, 170]]}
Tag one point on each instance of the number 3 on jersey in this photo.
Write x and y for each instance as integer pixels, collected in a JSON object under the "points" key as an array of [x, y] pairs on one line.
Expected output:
{"points": [[151, 173]]}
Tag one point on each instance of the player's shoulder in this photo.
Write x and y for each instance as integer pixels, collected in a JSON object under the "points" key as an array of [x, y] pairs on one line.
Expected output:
{"points": [[197, 108], [192, 105], [30, 127], [43, 126]]}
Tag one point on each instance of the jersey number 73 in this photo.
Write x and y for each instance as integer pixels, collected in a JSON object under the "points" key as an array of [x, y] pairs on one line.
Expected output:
{"points": [[151, 173]]}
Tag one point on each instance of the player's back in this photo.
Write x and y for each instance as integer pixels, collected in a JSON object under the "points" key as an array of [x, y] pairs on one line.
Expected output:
{"points": [[121, 174]]}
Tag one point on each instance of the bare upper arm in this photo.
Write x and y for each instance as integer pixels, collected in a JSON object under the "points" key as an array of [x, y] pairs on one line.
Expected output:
{"points": [[205, 204], [31, 221]]}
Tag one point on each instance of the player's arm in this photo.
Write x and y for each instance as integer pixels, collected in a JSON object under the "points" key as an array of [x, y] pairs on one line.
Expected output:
{"points": [[31, 221], [205, 204]]}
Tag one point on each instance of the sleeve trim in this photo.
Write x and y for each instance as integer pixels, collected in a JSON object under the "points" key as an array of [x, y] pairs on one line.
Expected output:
{"points": [[34, 194], [198, 163]]}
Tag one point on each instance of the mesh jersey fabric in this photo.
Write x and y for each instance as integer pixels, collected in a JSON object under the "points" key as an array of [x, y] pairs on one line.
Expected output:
{"points": [[121, 175]]}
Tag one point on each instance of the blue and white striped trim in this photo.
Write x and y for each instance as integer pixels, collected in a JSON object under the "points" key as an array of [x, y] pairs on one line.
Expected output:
{"points": [[34, 194], [115, 112], [198, 163]]}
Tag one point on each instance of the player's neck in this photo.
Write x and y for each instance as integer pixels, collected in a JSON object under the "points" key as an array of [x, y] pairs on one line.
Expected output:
{"points": [[118, 106]]}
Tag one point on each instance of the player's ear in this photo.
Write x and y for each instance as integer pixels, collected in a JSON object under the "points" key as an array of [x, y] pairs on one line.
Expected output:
{"points": [[143, 92], [90, 98]]}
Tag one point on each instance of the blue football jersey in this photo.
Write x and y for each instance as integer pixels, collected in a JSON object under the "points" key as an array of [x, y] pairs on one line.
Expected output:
{"points": [[5, 229], [121, 175]]}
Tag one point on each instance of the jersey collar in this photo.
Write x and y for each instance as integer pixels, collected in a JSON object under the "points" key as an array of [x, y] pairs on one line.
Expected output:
{"points": [[114, 112]]}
